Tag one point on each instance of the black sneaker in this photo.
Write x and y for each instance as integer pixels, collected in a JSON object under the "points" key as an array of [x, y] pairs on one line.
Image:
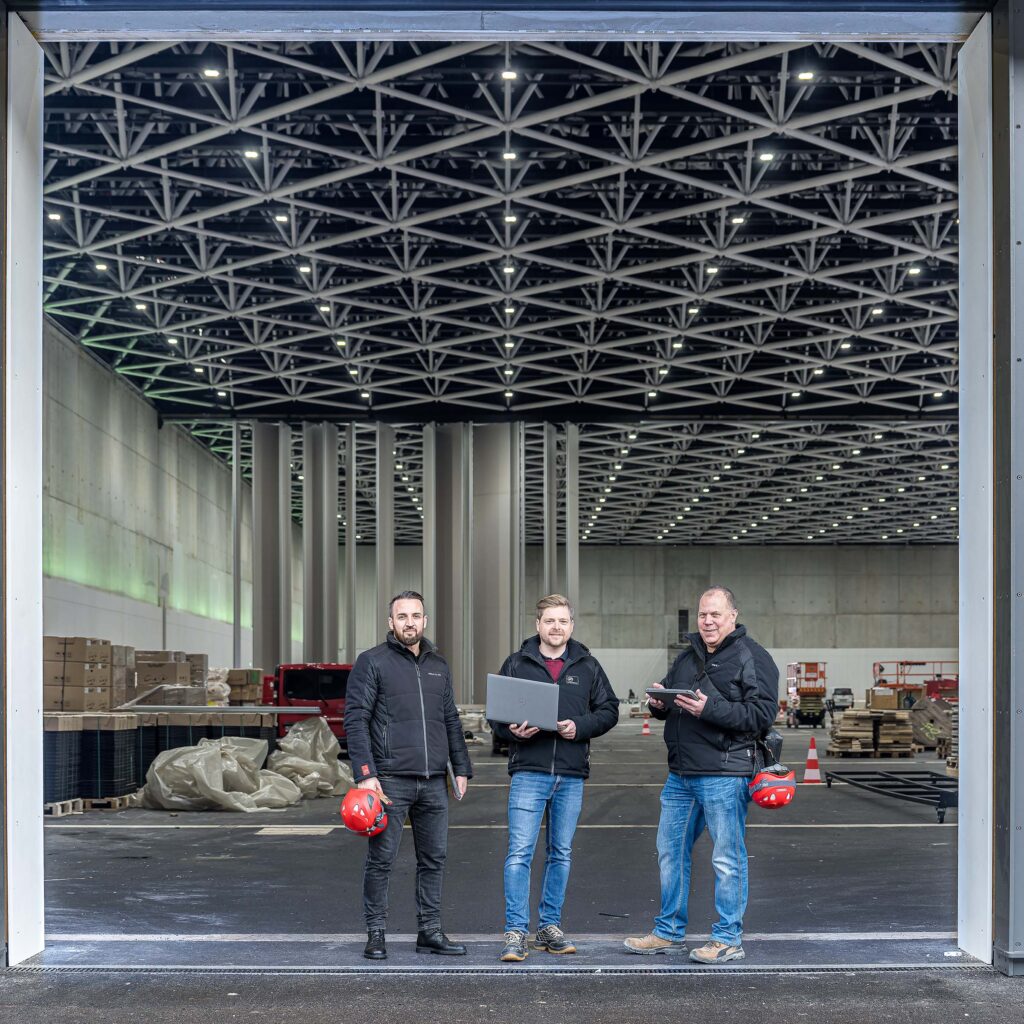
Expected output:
{"points": [[554, 940], [515, 947]]}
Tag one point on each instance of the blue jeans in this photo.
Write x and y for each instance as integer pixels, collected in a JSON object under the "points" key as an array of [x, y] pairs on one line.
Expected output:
{"points": [[688, 804], [529, 797]]}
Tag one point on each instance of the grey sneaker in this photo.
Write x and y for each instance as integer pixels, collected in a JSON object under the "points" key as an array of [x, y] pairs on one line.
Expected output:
{"points": [[651, 943], [515, 947], [715, 952], [554, 940]]}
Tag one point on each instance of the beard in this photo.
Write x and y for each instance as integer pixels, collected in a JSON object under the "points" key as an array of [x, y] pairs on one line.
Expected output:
{"points": [[409, 639]]}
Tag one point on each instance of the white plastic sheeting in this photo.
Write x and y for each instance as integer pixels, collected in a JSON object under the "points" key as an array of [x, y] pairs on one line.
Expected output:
{"points": [[224, 774]]}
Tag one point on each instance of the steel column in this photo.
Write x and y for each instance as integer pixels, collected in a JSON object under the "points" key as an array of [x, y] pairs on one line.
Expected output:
{"points": [[429, 586], [452, 624], [351, 524], [236, 544], [385, 518], [1007, 423], [271, 531], [549, 574], [572, 512], [320, 542], [976, 604]]}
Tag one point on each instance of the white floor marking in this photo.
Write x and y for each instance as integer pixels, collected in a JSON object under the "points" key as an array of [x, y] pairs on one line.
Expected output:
{"points": [[500, 827]]}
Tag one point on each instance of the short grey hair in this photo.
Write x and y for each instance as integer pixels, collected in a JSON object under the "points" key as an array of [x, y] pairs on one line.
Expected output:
{"points": [[730, 597]]}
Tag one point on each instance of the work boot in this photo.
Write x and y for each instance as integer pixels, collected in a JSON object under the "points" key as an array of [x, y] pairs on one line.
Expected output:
{"points": [[437, 942], [515, 949], [715, 952], [375, 948], [554, 940], [651, 943]]}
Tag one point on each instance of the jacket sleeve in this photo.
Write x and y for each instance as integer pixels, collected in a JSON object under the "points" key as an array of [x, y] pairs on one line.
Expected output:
{"points": [[501, 729], [604, 709], [458, 753], [756, 710], [360, 698]]}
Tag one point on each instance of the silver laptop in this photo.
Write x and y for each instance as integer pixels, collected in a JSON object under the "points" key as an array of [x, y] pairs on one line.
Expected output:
{"points": [[514, 701]]}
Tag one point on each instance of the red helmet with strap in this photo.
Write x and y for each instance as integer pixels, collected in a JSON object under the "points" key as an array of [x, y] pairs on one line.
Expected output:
{"points": [[362, 811], [773, 786]]}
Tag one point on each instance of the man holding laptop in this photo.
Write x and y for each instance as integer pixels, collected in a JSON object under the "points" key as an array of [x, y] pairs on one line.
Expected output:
{"points": [[549, 758]]}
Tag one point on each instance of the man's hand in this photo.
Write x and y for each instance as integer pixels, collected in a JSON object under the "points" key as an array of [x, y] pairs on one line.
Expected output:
{"points": [[567, 729], [658, 704], [374, 785], [460, 784], [524, 731], [695, 707]]}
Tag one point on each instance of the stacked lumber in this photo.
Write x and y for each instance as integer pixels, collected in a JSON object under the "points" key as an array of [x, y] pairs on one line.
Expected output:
{"points": [[853, 732], [895, 733]]}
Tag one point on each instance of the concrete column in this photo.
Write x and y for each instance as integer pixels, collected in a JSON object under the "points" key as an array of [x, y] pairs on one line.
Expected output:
{"points": [[320, 542], [272, 544], [429, 586], [385, 518], [351, 526], [549, 574], [236, 544], [497, 533], [451, 623], [572, 512]]}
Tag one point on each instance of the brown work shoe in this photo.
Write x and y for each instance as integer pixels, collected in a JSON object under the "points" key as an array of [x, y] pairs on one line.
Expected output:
{"points": [[715, 952], [647, 944]]}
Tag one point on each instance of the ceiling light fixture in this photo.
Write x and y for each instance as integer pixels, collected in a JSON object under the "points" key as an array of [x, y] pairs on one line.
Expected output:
{"points": [[508, 155], [281, 218], [101, 266], [251, 154], [509, 75], [211, 73], [53, 216], [766, 157], [510, 218], [806, 76]]}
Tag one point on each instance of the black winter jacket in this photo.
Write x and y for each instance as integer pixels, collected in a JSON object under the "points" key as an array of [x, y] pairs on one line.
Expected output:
{"points": [[584, 695], [742, 686], [400, 714]]}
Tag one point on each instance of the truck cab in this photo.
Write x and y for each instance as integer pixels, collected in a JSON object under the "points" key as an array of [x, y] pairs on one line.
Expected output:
{"points": [[308, 684]]}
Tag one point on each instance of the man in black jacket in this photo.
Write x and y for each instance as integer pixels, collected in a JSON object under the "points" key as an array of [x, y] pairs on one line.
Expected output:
{"points": [[403, 728], [710, 742], [548, 770]]}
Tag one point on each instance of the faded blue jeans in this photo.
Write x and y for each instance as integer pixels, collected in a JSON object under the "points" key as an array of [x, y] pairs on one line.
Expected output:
{"points": [[688, 804], [529, 797]]}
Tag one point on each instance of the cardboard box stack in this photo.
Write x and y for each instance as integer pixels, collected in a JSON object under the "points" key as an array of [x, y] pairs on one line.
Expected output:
{"points": [[77, 673], [161, 668], [199, 668], [122, 675], [246, 685]]}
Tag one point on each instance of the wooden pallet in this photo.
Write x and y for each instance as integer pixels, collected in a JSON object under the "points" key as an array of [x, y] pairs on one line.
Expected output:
{"points": [[62, 808], [833, 752], [109, 803]]}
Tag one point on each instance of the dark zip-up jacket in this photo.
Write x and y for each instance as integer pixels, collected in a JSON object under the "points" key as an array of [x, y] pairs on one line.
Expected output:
{"points": [[742, 686], [400, 714], [584, 695]]}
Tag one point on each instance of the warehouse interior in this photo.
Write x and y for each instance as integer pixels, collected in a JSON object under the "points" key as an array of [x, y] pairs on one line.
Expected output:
{"points": [[489, 318]]}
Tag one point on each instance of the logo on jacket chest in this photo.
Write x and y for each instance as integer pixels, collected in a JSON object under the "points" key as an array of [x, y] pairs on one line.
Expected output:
{"points": [[572, 680]]}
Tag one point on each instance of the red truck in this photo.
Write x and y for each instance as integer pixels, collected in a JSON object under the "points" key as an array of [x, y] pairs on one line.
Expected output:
{"points": [[307, 685]]}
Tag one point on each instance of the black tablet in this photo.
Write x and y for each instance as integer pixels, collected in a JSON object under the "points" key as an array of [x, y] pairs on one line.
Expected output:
{"points": [[658, 693]]}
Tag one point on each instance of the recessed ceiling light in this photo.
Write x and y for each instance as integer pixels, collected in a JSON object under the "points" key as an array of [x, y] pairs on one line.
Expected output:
{"points": [[794, 394], [663, 371], [877, 311], [618, 465], [652, 394], [755, 436], [508, 155], [509, 75], [251, 154], [53, 216], [508, 371], [510, 344], [677, 345], [920, 479], [818, 372], [341, 343], [805, 76], [198, 370], [693, 309], [281, 218], [353, 371], [508, 269], [510, 309], [211, 73], [101, 266], [914, 271], [737, 220], [172, 341], [632, 435], [766, 157], [510, 218], [324, 309], [140, 305], [222, 394], [856, 451], [712, 270], [845, 344], [364, 394], [305, 269], [938, 394]]}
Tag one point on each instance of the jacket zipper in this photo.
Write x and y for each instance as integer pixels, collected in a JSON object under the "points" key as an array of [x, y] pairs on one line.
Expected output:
{"points": [[423, 713]]}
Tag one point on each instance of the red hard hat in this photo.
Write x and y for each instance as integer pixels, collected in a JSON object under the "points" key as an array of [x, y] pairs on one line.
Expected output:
{"points": [[775, 786], [363, 812]]}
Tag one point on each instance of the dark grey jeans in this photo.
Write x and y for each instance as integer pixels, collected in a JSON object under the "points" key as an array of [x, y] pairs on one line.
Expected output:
{"points": [[425, 803]]}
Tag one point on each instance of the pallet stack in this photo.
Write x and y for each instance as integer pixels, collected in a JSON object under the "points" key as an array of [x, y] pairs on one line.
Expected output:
{"points": [[953, 758], [852, 734], [895, 735], [246, 685]]}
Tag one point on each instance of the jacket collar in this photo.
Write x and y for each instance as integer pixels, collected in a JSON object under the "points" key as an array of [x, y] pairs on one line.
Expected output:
{"points": [[426, 647], [697, 641], [574, 650]]}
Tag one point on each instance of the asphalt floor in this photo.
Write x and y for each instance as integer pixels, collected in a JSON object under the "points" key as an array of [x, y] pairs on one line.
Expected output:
{"points": [[160, 916]]}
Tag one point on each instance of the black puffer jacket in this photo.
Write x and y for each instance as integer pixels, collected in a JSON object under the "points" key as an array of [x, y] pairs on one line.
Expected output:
{"points": [[584, 695], [400, 714], [742, 686]]}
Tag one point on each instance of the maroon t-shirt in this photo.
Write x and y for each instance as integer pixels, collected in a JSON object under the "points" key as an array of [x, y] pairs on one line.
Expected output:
{"points": [[555, 666]]}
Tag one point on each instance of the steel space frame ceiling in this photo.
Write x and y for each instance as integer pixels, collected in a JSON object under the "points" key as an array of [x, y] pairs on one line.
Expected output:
{"points": [[744, 255]]}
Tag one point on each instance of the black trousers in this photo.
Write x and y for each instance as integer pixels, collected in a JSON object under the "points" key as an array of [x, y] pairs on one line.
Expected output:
{"points": [[425, 803]]}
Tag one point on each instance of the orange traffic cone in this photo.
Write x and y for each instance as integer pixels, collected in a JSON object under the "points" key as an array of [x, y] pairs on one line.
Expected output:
{"points": [[646, 730], [812, 773]]}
